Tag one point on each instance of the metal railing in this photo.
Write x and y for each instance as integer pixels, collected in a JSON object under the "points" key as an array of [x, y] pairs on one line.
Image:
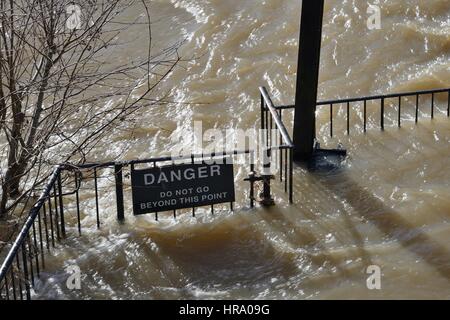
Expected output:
{"points": [[119, 168], [281, 145], [400, 97], [26, 256], [45, 225]]}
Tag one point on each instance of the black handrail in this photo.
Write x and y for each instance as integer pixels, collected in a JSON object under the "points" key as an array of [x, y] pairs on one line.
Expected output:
{"points": [[46, 223], [284, 147], [371, 98], [382, 98], [273, 110]]}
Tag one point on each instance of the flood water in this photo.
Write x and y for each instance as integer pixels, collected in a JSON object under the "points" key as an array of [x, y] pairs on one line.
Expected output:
{"points": [[388, 206]]}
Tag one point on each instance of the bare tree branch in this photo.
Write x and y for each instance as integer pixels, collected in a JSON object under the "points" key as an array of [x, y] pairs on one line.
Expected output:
{"points": [[60, 90]]}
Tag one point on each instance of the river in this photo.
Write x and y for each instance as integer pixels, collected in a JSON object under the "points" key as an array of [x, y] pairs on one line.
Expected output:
{"points": [[388, 206]]}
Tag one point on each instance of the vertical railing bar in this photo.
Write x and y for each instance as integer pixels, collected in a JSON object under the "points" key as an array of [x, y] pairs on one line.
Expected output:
{"points": [[291, 177], [280, 152], [267, 127], [51, 221], [41, 242], [365, 116], [382, 114], [77, 198], [252, 183], [6, 289], [348, 118], [118, 172], [97, 210], [25, 272], [270, 129], [331, 120], [417, 108], [448, 104], [267, 161], [36, 250], [55, 198], [262, 113], [19, 269], [30, 258], [193, 162], [156, 213], [400, 111], [432, 106], [61, 206], [286, 170], [13, 282], [47, 243]]}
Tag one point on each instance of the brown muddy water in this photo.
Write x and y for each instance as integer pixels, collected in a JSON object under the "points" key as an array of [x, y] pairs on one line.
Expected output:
{"points": [[389, 206]]}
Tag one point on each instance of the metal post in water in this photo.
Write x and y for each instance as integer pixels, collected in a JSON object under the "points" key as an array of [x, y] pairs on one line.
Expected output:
{"points": [[267, 176], [61, 206], [119, 192], [307, 79]]}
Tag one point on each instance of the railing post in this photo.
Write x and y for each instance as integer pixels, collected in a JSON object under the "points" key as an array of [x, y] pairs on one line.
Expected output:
{"points": [[263, 125], [365, 116], [267, 176], [57, 220], [97, 210], [432, 106], [119, 191], [417, 108], [61, 206], [448, 104], [252, 182], [25, 272], [307, 79], [291, 176]]}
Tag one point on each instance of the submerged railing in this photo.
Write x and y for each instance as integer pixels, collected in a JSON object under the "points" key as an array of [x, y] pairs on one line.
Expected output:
{"points": [[46, 222], [45, 225], [280, 145], [119, 168], [26, 256], [382, 99]]}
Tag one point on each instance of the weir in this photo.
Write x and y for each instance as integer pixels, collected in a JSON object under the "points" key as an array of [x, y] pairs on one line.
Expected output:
{"points": [[45, 226]]}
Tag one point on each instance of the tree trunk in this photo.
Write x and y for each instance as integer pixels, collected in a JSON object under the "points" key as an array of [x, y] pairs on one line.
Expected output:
{"points": [[11, 186], [13, 177]]}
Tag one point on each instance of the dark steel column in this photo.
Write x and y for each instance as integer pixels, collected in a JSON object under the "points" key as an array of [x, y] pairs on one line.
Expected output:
{"points": [[307, 78]]}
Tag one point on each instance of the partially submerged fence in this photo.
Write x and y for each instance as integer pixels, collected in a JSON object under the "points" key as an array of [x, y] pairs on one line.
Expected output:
{"points": [[26, 256], [280, 145], [119, 171], [46, 223], [379, 103]]}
